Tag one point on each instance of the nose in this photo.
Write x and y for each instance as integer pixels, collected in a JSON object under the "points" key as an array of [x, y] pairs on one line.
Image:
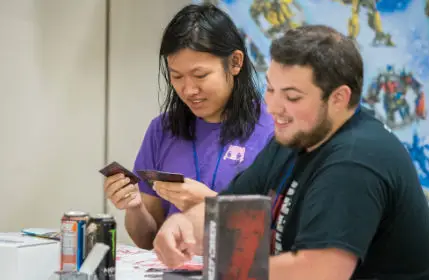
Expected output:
{"points": [[189, 87], [275, 106]]}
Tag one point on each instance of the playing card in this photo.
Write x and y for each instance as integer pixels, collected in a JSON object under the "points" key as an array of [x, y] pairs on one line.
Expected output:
{"points": [[154, 175], [114, 168]]}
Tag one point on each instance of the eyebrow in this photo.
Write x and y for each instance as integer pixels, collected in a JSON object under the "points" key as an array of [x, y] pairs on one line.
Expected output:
{"points": [[193, 70], [287, 88]]}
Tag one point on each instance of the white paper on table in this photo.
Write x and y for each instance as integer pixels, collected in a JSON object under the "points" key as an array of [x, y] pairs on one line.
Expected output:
{"points": [[133, 263]]}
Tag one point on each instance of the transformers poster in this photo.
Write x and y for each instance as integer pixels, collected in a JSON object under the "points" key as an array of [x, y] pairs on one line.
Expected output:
{"points": [[393, 36]]}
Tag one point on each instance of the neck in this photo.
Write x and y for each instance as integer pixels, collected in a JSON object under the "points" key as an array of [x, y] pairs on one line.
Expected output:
{"points": [[216, 118], [336, 125]]}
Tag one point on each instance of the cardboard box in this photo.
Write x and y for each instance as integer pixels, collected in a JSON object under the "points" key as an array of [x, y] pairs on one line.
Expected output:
{"points": [[237, 237], [27, 258]]}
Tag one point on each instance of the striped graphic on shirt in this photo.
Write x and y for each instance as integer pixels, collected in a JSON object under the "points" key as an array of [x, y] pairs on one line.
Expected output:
{"points": [[275, 214], [282, 219]]}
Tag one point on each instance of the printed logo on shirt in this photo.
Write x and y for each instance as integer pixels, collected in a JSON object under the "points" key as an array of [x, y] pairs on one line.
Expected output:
{"points": [[283, 217], [235, 153]]}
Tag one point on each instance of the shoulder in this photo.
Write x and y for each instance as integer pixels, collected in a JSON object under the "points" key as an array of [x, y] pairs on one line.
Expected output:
{"points": [[366, 142], [156, 124], [154, 135], [156, 128], [156, 141]]}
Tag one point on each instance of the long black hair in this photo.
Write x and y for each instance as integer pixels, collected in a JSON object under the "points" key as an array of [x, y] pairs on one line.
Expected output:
{"points": [[206, 28]]}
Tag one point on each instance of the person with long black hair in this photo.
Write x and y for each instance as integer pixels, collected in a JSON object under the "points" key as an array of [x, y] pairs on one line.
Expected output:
{"points": [[212, 126]]}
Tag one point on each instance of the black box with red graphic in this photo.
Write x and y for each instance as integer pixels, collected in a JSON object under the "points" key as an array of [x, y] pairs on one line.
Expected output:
{"points": [[237, 237]]}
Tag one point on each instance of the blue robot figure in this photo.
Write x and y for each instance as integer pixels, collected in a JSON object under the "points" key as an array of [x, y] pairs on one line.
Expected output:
{"points": [[417, 151]]}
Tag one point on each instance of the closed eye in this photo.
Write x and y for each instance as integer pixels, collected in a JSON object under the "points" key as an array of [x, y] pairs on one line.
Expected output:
{"points": [[293, 99], [201, 76]]}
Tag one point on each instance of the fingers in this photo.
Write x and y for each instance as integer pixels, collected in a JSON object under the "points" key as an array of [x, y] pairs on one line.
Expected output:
{"points": [[124, 193], [163, 190], [187, 250], [111, 179], [174, 241], [178, 199], [190, 181], [168, 252], [159, 255], [128, 201], [164, 193], [116, 186], [188, 238], [172, 187]]}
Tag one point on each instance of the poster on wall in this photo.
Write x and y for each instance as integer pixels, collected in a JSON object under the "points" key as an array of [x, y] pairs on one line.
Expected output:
{"points": [[393, 36]]}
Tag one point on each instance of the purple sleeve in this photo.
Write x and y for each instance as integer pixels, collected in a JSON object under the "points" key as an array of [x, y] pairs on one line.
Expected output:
{"points": [[270, 137], [146, 157]]}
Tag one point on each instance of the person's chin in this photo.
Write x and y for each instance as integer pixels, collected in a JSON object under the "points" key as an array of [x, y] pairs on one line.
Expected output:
{"points": [[206, 117], [281, 139], [198, 113]]}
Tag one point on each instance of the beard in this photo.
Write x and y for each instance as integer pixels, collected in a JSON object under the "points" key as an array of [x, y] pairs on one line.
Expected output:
{"points": [[302, 140]]}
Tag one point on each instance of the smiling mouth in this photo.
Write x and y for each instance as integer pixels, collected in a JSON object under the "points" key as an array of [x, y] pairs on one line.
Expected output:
{"points": [[282, 122], [196, 102]]}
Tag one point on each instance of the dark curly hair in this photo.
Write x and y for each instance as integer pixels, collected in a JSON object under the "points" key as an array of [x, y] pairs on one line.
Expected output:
{"points": [[334, 58]]}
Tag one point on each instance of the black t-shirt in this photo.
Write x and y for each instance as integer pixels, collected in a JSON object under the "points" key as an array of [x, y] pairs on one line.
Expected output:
{"points": [[359, 192]]}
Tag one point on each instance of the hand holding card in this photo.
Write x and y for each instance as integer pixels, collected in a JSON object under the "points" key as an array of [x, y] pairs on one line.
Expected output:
{"points": [[183, 194], [115, 168], [121, 186]]}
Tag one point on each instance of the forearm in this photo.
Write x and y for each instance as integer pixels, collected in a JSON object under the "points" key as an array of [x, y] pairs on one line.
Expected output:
{"points": [[196, 216], [295, 267], [281, 264], [317, 264], [141, 226]]}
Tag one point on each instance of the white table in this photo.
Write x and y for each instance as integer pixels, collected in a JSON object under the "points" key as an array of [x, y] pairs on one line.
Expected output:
{"points": [[41, 257]]}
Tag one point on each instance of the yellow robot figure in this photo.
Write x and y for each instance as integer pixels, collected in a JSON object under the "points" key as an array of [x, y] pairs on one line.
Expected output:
{"points": [[374, 21], [278, 14]]}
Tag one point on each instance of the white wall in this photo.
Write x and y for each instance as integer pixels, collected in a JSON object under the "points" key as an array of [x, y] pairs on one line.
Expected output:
{"points": [[52, 101], [51, 86], [136, 32]]}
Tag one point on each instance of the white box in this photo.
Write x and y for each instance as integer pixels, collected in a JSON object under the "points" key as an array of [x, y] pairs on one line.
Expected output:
{"points": [[27, 258]]}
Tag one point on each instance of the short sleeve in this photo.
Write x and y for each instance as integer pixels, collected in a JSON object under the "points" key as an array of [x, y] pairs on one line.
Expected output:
{"points": [[146, 157], [342, 209]]}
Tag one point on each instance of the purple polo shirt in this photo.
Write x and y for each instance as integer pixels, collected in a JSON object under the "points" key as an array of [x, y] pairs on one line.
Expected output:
{"points": [[161, 151]]}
